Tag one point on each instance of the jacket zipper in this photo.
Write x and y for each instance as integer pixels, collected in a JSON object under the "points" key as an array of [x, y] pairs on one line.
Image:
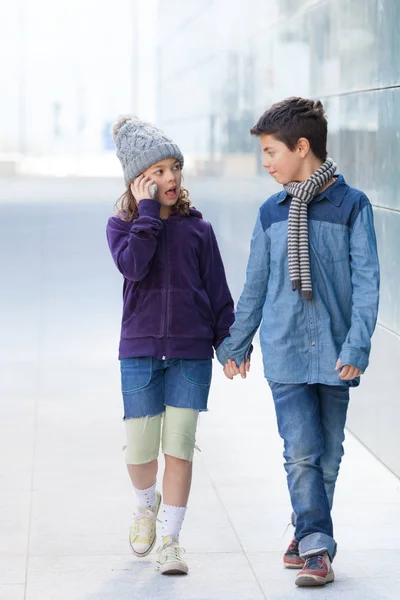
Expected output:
{"points": [[166, 293]]}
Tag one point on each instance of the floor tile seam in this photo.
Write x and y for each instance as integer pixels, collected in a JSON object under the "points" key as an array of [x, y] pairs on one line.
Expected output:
{"points": [[236, 534]]}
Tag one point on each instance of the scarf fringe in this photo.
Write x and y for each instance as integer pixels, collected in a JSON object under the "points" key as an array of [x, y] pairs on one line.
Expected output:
{"points": [[296, 284], [306, 294]]}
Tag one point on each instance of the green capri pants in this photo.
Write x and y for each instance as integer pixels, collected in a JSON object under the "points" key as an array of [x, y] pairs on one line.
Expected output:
{"points": [[178, 437]]}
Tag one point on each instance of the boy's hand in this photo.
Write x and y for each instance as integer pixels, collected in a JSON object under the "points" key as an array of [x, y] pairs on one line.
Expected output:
{"points": [[347, 372], [231, 369]]}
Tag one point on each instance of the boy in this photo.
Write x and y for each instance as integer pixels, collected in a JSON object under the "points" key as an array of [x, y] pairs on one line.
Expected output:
{"points": [[313, 281]]}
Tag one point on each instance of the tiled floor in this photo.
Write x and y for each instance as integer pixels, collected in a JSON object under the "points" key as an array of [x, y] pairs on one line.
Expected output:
{"points": [[66, 504]]}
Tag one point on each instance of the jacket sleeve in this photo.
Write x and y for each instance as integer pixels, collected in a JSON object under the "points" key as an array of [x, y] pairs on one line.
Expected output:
{"points": [[365, 296], [212, 273], [133, 245], [251, 302]]}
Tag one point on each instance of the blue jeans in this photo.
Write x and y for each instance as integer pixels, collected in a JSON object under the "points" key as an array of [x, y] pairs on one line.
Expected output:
{"points": [[311, 421], [149, 384]]}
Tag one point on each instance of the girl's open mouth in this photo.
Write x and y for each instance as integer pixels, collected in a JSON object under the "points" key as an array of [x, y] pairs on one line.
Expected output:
{"points": [[171, 193]]}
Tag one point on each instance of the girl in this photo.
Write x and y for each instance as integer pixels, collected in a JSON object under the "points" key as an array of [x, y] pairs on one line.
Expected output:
{"points": [[176, 308]]}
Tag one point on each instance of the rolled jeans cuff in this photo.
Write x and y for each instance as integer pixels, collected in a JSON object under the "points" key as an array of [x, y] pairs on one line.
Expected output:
{"points": [[317, 543]]}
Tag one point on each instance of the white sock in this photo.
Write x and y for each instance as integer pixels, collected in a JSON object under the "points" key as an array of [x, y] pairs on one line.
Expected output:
{"points": [[172, 519], [146, 498]]}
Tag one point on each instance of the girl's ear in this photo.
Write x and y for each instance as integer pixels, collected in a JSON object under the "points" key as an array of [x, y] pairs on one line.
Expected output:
{"points": [[131, 187]]}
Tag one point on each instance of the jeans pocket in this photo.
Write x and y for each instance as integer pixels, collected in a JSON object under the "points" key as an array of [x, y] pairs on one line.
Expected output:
{"points": [[135, 373], [197, 371]]}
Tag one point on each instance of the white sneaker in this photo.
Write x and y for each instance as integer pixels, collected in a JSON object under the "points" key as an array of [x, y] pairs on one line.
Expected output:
{"points": [[170, 561], [142, 535]]}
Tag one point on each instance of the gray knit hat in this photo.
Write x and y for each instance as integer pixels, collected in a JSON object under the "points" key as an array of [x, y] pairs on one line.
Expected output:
{"points": [[140, 145]]}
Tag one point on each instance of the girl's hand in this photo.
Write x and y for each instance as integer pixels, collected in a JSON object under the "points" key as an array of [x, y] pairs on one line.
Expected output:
{"points": [[140, 188], [231, 369]]}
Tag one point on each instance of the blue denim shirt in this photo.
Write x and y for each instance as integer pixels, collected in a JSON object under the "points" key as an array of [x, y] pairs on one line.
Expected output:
{"points": [[301, 340]]}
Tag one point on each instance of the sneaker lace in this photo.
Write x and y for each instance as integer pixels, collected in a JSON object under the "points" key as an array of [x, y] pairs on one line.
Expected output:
{"points": [[144, 522], [314, 562], [172, 551]]}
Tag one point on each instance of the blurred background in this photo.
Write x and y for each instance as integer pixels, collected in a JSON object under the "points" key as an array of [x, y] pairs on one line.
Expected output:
{"points": [[204, 71]]}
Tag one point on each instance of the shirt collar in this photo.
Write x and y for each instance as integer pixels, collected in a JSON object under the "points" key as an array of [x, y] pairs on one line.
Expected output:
{"points": [[334, 193]]}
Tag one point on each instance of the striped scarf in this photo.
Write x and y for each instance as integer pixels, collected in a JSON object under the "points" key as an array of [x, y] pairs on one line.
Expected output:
{"points": [[298, 252]]}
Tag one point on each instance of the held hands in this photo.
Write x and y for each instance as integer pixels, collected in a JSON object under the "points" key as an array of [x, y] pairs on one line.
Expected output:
{"points": [[231, 369], [140, 188], [347, 372]]}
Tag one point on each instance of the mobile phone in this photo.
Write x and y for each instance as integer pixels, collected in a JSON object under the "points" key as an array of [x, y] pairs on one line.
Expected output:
{"points": [[153, 190]]}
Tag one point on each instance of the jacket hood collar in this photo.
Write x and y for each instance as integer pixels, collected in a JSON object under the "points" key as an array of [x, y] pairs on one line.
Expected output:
{"points": [[193, 212]]}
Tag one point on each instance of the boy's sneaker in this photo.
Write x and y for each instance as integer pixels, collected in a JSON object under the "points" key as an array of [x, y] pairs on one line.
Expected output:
{"points": [[142, 535], [170, 561], [317, 570], [292, 558]]}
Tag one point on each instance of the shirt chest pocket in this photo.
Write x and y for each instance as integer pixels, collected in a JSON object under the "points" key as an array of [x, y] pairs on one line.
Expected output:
{"points": [[330, 241]]}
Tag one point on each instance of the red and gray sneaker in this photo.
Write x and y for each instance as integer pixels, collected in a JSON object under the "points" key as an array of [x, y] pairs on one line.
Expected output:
{"points": [[317, 570], [292, 558]]}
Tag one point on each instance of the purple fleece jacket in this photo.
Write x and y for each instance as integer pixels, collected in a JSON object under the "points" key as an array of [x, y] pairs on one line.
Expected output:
{"points": [[176, 301]]}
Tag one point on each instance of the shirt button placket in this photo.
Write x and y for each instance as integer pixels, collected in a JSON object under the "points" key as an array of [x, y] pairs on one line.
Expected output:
{"points": [[313, 335]]}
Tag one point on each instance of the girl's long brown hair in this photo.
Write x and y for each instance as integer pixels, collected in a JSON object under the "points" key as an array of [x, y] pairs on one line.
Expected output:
{"points": [[126, 206]]}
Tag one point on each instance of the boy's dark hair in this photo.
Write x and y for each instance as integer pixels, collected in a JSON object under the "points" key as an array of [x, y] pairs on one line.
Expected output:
{"points": [[293, 119]]}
